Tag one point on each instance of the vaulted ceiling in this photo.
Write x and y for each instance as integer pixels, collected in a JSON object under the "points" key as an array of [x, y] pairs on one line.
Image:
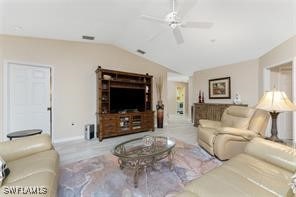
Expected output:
{"points": [[242, 30]]}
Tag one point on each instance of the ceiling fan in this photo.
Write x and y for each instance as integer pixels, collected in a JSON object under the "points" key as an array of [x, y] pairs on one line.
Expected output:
{"points": [[174, 21]]}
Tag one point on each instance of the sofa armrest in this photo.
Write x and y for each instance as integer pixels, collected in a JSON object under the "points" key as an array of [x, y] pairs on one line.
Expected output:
{"points": [[272, 152], [244, 133], [15, 149], [210, 123]]}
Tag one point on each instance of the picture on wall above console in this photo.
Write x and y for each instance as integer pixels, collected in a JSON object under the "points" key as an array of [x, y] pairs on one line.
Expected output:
{"points": [[220, 88]]}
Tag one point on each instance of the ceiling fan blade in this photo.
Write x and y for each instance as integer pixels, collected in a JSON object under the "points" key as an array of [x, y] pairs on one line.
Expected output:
{"points": [[185, 7], [178, 35], [154, 19], [153, 37], [195, 24]]}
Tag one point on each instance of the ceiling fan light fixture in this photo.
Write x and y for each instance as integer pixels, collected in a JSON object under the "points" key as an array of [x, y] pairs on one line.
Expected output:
{"points": [[175, 22], [173, 25]]}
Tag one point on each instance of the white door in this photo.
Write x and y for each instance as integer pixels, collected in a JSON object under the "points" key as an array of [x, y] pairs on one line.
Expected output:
{"points": [[28, 98]]}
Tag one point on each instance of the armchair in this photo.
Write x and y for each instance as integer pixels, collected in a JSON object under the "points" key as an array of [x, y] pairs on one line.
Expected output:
{"points": [[228, 137]]}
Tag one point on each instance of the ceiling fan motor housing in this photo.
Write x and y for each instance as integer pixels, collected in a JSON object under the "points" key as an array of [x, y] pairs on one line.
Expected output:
{"points": [[173, 19]]}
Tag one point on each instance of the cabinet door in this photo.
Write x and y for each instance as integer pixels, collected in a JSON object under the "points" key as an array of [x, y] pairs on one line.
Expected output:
{"points": [[109, 125], [148, 121], [137, 122]]}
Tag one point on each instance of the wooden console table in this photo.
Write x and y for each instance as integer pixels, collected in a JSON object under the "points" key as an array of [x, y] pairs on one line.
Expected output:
{"points": [[210, 111]]}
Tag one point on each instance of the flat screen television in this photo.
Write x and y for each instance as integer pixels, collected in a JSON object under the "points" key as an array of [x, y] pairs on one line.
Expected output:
{"points": [[127, 99]]}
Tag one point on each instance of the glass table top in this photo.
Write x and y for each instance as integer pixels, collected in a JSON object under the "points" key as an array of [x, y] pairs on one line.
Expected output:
{"points": [[144, 147]]}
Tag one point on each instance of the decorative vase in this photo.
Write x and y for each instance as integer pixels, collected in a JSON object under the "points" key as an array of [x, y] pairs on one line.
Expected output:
{"points": [[199, 97], [160, 112], [203, 98]]}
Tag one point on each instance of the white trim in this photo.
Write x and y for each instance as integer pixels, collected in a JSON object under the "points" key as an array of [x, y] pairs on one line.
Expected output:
{"points": [[266, 80], [5, 91], [280, 63], [266, 85], [61, 140], [294, 97]]}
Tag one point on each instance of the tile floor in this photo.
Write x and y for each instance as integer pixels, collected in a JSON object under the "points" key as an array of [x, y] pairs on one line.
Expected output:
{"points": [[178, 127]]}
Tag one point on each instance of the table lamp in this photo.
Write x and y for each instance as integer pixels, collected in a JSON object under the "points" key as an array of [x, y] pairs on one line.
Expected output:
{"points": [[275, 102]]}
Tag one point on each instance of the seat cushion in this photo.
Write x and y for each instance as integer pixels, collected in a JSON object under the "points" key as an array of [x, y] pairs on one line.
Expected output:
{"points": [[40, 169], [265, 175], [45, 181], [46, 161], [243, 175]]}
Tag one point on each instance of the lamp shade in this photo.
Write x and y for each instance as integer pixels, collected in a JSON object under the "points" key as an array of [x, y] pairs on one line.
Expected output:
{"points": [[275, 101]]}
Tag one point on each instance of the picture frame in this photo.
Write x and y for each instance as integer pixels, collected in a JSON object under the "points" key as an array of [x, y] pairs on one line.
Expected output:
{"points": [[220, 88]]}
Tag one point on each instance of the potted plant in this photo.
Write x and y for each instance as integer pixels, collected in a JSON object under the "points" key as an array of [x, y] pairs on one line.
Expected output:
{"points": [[159, 106]]}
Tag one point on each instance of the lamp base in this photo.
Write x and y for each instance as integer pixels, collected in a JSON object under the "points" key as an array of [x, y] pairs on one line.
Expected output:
{"points": [[274, 139], [274, 132]]}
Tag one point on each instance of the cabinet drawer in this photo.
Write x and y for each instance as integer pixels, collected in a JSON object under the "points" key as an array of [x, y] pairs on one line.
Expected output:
{"points": [[107, 118]]}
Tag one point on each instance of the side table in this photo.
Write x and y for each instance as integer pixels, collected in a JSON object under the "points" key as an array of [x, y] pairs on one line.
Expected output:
{"points": [[23, 133]]}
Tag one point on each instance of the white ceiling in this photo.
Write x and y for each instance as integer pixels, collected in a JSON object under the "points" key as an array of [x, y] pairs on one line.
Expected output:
{"points": [[243, 29]]}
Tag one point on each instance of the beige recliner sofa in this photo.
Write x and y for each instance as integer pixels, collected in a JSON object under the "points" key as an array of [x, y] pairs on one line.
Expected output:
{"points": [[33, 162], [264, 169], [228, 137]]}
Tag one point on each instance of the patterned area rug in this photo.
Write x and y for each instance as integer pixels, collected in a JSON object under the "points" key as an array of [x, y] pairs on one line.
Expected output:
{"points": [[101, 176]]}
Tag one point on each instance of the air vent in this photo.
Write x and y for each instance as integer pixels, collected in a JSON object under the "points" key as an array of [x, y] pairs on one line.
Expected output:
{"points": [[141, 51], [88, 37]]}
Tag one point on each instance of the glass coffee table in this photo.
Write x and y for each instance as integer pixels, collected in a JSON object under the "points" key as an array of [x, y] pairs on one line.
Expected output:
{"points": [[144, 152]]}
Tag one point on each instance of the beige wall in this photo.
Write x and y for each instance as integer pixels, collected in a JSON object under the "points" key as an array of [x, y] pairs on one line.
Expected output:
{"points": [[244, 80], [74, 66], [172, 96], [283, 53]]}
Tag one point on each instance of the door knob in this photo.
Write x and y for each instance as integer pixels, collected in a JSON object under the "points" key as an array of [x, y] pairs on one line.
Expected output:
{"points": [[49, 109]]}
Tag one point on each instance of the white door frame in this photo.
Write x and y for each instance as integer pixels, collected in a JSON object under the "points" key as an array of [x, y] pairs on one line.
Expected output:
{"points": [[266, 85], [5, 93]]}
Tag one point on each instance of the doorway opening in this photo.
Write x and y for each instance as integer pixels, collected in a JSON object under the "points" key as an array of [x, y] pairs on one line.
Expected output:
{"points": [[180, 100], [280, 77], [177, 86], [27, 97]]}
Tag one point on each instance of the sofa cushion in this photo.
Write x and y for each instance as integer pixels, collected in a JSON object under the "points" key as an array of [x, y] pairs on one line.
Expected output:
{"points": [[222, 181], [45, 181], [237, 117], [272, 152], [243, 175], [27, 167], [263, 174], [210, 123]]}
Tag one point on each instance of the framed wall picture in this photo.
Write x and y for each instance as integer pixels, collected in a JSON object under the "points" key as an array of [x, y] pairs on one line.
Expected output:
{"points": [[220, 88]]}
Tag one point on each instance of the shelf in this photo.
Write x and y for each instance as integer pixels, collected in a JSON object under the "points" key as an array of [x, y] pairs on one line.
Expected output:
{"points": [[126, 81], [128, 87]]}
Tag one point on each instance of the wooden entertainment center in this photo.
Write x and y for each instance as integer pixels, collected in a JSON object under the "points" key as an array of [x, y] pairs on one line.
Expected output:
{"points": [[111, 122]]}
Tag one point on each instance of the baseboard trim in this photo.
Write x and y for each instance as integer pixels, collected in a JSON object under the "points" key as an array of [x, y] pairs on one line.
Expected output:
{"points": [[60, 140]]}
